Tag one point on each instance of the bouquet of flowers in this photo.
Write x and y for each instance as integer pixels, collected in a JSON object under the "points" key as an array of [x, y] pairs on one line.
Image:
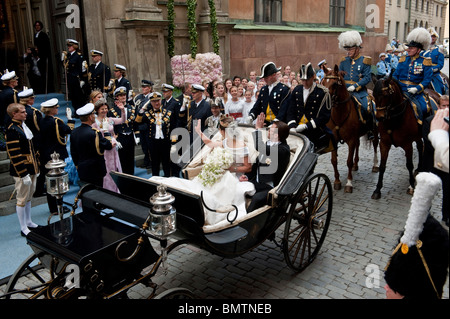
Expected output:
{"points": [[205, 67], [215, 165]]}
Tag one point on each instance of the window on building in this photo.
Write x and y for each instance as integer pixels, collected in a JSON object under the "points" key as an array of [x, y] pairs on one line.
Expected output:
{"points": [[397, 29], [405, 31], [427, 8], [399, 3], [337, 13], [268, 11], [421, 7], [417, 5], [407, 4]]}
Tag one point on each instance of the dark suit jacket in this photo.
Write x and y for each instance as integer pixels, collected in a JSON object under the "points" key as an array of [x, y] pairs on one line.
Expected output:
{"points": [[278, 155], [100, 76]]}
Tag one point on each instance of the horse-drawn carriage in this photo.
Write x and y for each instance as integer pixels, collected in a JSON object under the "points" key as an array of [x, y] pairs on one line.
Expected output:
{"points": [[112, 244]]}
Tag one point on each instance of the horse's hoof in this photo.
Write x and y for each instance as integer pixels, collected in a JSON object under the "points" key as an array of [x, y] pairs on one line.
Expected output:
{"points": [[376, 195], [410, 191], [355, 168], [348, 189], [337, 186], [375, 169]]}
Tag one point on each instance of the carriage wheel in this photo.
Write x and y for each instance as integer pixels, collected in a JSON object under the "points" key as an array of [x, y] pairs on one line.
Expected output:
{"points": [[307, 221], [176, 293], [15, 289]]}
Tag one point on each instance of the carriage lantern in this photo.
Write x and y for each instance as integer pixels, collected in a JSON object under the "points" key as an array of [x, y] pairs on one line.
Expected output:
{"points": [[162, 214], [57, 180]]}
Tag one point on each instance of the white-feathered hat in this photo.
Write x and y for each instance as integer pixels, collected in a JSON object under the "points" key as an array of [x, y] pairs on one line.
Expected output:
{"points": [[432, 32], [349, 39], [419, 38], [388, 47]]}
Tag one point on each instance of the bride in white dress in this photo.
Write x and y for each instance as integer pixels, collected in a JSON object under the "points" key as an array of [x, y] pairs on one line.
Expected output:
{"points": [[226, 191]]}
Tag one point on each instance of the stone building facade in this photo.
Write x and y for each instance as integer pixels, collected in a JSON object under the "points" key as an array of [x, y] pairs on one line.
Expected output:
{"points": [[134, 32]]}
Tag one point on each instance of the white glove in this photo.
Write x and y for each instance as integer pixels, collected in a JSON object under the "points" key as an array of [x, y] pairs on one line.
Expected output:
{"points": [[137, 140], [82, 84], [173, 149], [301, 128], [69, 113], [249, 119], [413, 90], [26, 180], [118, 145], [105, 125], [293, 130], [351, 88]]}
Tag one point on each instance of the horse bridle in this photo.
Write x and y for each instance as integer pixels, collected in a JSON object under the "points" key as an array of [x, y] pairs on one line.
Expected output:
{"points": [[334, 100], [389, 89]]}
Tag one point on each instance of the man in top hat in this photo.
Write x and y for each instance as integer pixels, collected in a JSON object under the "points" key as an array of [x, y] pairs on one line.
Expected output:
{"points": [[414, 71], [437, 61], [142, 131], [99, 73], [418, 266], [383, 67], [273, 98], [24, 164], [358, 74], [322, 67], [8, 95], [120, 80], [159, 122], [125, 131], [73, 64], [310, 109], [87, 146]]}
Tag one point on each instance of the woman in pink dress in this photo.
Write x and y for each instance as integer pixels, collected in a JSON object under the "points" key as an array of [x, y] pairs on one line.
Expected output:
{"points": [[106, 126]]}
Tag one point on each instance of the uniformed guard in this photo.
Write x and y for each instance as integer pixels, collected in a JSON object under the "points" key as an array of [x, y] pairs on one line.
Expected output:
{"points": [[414, 71], [8, 95], [383, 67], [125, 131], [87, 146], [75, 70], [54, 137], [321, 73], [310, 109], [198, 109], [24, 164], [99, 74], [357, 75], [273, 98], [33, 122], [437, 60], [141, 129], [120, 81], [158, 120]]}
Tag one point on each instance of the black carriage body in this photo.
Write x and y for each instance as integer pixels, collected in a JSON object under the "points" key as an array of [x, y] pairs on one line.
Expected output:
{"points": [[93, 247]]}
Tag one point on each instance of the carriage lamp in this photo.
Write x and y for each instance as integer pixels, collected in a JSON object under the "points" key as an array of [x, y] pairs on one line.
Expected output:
{"points": [[57, 180], [162, 219]]}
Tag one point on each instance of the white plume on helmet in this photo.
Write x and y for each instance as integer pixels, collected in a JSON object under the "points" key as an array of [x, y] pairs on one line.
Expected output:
{"points": [[420, 35], [350, 38]]}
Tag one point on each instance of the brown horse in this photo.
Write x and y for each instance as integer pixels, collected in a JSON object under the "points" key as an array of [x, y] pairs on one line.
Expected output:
{"points": [[346, 126], [397, 126]]}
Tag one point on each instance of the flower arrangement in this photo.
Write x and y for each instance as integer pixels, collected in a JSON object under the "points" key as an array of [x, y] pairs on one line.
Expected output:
{"points": [[215, 165], [205, 67]]}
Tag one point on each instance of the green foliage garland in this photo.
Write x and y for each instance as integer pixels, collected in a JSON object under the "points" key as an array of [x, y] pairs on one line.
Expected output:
{"points": [[215, 34], [171, 18], [192, 26]]}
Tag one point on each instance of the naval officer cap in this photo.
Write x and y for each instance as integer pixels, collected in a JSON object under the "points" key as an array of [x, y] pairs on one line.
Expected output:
{"points": [[26, 93], [147, 83], [86, 110], [9, 76], [120, 90], [155, 96], [72, 42], [322, 62], [167, 87], [50, 103], [96, 52], [119, 67], [197, 88]]}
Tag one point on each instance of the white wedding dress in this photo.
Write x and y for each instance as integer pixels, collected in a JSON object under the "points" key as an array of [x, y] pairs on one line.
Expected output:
{"points": [[224, 193]]}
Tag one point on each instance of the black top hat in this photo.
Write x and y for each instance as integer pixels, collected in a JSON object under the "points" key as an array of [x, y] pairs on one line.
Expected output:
{"points": [[268, 69]]}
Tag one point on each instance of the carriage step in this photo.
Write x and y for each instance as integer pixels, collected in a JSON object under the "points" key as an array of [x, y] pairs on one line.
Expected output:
{"points": [[228, 235]]}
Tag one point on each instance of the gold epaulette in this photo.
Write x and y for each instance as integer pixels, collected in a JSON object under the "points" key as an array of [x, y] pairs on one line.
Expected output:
{"points": [[427, 61], [367, 60], [342, 59], [402, 59]]}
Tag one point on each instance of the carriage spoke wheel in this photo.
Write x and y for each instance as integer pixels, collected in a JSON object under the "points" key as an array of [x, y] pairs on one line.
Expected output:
{"points": [[176, 293], [307, 221]]}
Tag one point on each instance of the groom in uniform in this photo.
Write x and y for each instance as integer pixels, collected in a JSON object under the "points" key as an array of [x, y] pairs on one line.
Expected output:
{"points": [[276, 152]]}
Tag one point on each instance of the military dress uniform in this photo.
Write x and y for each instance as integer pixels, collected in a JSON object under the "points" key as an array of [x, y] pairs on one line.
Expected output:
{"points": [[73, 64], [159, 123], [437, 63], [8, 95], [87, 146], [99, 74], [24, 165], [415, 72], [142, 128], [125, 136], [195, 111], [272, 101]]}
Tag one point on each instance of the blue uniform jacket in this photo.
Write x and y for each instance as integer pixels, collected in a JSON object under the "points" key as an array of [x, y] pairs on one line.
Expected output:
{"points": [[414, 72]]}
